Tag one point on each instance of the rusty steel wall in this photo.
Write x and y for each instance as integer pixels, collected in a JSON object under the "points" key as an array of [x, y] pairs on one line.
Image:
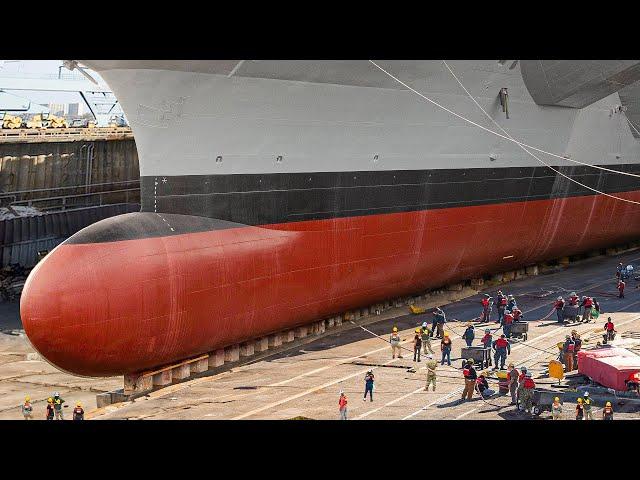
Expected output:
{"points": [[21, 238]]}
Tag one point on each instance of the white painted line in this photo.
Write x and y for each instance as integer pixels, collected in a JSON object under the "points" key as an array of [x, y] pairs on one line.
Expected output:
{"points": [[466, 413]]}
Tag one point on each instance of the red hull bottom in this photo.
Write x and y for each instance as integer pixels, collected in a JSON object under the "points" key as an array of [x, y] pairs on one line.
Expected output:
{"points": [[109, 308]]}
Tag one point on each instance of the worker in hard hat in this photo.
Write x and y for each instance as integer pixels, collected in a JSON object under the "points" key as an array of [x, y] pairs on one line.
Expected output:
{"points": [[577, 345], [439, 319], [482, 386], [469, 334], [470, 377], [50, 408], [417, 344], [588, 404], [521, 378], [607, 412], [502, 348], [27, 408], [487, 301], [556, 409], [78, 412], [568, 349], [368, 385], [512, 381], [394, 340], [580, 409], [342, 405], [445, 348], [426, 338], [526, 400], [431, 372], [57, 406], [559, 307]]}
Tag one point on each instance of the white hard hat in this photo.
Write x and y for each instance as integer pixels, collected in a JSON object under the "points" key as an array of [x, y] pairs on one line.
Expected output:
{"points": [[559, 298], [424, 324], [586, 394], [573, 294], [56, 394]]}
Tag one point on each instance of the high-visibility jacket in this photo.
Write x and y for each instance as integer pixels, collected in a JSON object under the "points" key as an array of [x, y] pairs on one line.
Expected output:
{"points": [[485, 302], [529, 383], [588, 302], [342, 402], [574, 300], [501, 343], [508, 319], [609, 326], [517, 313], [559, 304]]}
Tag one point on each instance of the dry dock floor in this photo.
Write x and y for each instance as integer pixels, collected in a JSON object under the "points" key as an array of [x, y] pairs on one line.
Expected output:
{"points": [[305, 381]]}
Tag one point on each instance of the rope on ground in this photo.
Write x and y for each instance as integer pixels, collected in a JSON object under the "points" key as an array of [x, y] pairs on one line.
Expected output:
{"points": [[509, 138]]}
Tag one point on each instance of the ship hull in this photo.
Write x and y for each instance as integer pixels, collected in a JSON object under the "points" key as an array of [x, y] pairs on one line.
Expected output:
{"points": [[276, 193], [127, 305]]}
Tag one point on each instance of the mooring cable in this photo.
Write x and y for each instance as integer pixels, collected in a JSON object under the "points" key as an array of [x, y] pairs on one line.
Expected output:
{"points": [[507, 137]]}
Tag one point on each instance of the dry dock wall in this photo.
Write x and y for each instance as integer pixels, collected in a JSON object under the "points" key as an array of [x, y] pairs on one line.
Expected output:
{"points": [[51, 165]]}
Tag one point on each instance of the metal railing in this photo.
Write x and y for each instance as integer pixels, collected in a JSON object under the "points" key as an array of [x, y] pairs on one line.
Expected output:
{"points": [[20, 134], [66, 202]]}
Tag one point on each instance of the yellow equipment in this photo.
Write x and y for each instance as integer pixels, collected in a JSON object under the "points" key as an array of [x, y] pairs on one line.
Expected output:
{"points": [[39, 120], [556, 370], [416, 310], [501, 374], [57, 122], [11, 121]]}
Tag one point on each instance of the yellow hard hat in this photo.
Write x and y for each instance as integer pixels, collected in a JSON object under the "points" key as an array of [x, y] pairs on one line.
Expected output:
{"points": [[608, 404], [27, 398], [78, 404], [446, 334], [579, 400], [50, 400], [556, 399], [395, 329], [417, 330]]}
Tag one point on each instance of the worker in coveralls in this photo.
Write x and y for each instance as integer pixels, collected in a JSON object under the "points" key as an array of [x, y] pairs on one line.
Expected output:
{"points": [[607, 412], [57, 406], [587, 304], [368, 385], [527, 392], [521, 378], [507, 322], [394, 340], [486, 308], [469, 334], [511, 302], [27, 409], [588, 404], [502, 348], [610, 329], [50, 408], [439, 319], [567, 353], [517, 314], [417, 344], [483, 386], [512, 379], [78, 412], [559, 306], [574, 299], [342, 405], [580, 410], [470, 377], [426, 338], [445, 348], [501, 302], [619, 269], [621, 286], [556, 409], [577, 342], [431, 372]]}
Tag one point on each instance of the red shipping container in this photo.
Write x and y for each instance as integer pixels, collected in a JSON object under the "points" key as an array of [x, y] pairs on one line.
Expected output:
{"points": [[609, 367]]}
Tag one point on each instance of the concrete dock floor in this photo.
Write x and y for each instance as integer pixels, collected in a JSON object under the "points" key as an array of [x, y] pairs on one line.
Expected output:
{"points": [[305, 381]]}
